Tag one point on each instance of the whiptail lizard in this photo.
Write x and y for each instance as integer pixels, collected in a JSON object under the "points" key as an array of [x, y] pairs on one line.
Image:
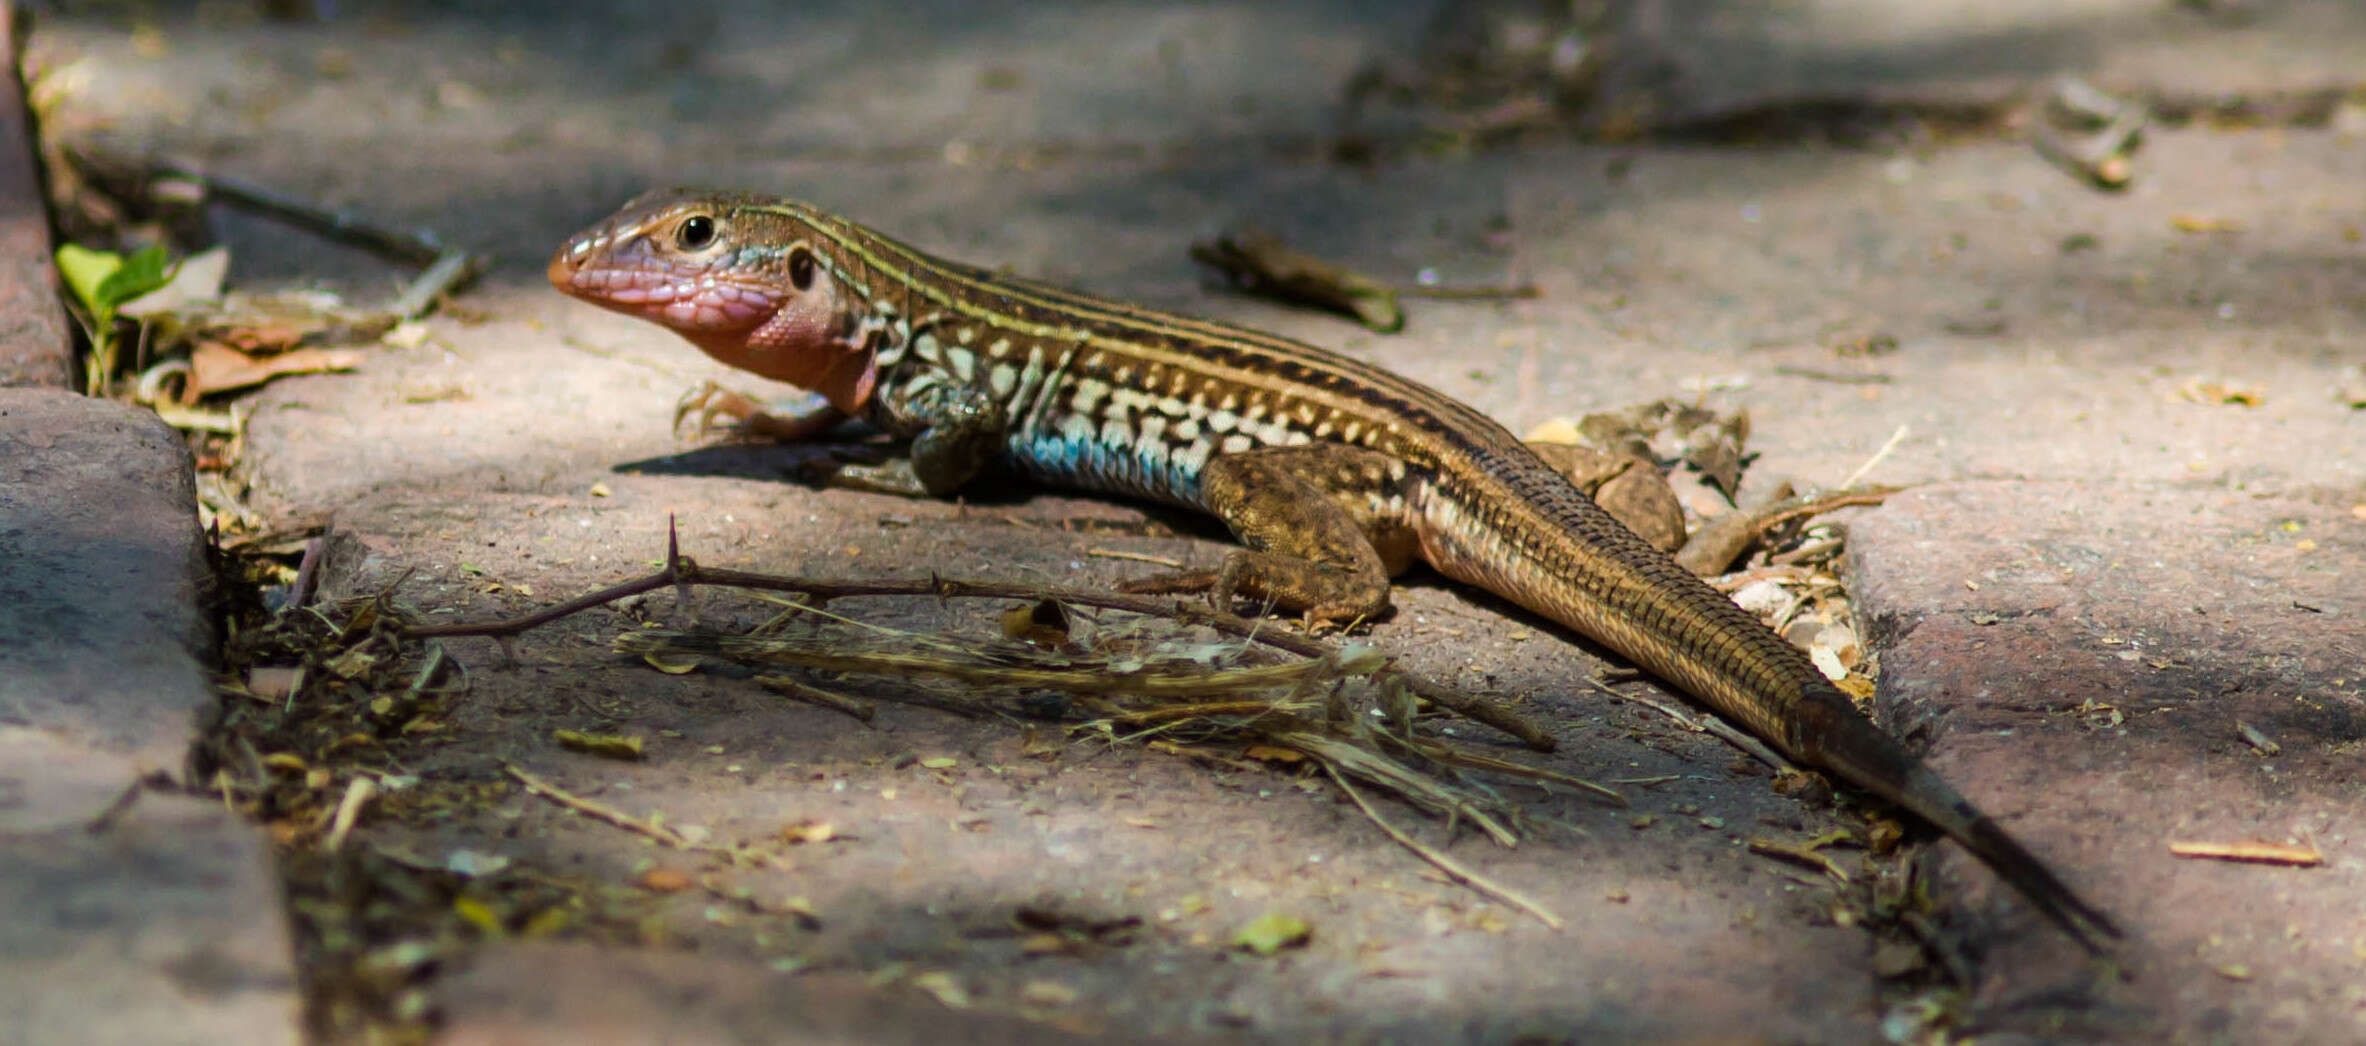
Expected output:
{"points": [[1333, 473]]}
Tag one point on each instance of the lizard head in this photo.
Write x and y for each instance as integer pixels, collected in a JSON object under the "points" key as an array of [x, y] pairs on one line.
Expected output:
{"points": [[747, 279]]}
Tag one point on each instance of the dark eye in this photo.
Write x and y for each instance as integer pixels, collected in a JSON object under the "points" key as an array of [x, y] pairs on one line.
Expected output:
{"points": [[801, 268], [695, 232]]}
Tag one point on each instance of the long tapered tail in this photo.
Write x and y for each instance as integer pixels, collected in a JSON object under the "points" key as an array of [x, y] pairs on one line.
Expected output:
{"points": [[1833, 735]]}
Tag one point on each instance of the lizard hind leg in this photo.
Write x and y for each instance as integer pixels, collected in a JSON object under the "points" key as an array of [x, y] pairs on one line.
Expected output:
{"points": [[1323, 525]]}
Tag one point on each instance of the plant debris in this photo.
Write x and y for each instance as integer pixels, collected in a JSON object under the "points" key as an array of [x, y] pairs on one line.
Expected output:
{"points": [[1260, 263], [607, 746], [2302, 855], [2090, 133], [1272, 932]]}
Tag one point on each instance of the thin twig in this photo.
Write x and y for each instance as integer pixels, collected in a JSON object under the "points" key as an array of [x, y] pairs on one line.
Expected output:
{"points": [[1208, 710], [1735, 582], [447, 273], [814, 695], [316, 551], [116, 807], [1707, 724], [682, 572], [358, 792], [1138, 557], [977, 671], [1469, 292], [1816, 505], [1876, 459], [1836, 378], [1453, 869], [1415, 787], [604, 812], [1453, 756], [429, 668], [1951, 958], [1801, 855]]}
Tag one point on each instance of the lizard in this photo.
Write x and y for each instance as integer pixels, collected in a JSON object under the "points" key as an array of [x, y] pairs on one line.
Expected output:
{"points": [[1334, 474]]}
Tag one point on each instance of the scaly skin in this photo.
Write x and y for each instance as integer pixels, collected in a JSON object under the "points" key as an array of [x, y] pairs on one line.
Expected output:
{"points": [[1333, 472]]}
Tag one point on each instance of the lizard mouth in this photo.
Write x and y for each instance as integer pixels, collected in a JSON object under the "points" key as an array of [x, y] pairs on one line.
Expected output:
{"points": [[626, 277]]}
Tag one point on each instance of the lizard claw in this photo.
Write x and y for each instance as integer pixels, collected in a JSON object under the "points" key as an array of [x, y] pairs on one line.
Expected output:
{"points": [[751, 420], [710, 401]]}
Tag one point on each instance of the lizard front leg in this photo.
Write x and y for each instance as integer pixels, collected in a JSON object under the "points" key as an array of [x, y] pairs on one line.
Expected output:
{"points": [[840, 375], [792, 422], [1325, 527], [961, 427]]}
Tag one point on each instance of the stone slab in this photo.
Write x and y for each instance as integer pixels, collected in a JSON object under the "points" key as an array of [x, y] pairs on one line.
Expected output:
{"points": [[35, 345], [1702, 59], [2085, 659], [163, 926], [561, 995], [101, 573]]}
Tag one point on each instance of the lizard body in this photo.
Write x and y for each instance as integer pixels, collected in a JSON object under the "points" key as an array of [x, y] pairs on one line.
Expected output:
{"points": [[1335, 474]]}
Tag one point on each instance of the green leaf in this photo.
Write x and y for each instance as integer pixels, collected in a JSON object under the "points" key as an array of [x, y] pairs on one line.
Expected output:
{"points": [[196, 280], [1272, 932], [142, 272], [85, 270]]}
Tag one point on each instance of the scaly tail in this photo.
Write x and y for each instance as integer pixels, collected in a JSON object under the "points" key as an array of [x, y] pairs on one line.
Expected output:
{"points": [[1831, 734]]}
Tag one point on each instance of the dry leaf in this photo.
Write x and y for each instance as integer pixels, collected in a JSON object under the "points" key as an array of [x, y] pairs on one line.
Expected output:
{"points": [[1043, 623], [1556, 430], [1048, 944], [479, 914], [2257, 740], [947, 990], [2199, 223], [1047, 993], [672, 666], [1272, 932], [809, 832], [2218, 393], [217, 367], [406, 335], [606, 746]]}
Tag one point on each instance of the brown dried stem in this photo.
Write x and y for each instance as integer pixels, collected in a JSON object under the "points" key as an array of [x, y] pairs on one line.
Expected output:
{"points": [[681, 572]]}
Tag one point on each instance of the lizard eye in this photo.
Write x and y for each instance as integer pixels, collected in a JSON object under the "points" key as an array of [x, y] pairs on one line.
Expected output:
{"points": [[695, 232], [801, 268]]}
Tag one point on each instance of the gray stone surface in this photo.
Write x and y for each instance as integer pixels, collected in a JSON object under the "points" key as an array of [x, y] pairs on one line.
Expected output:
{"points": [[34, 345], [162, 921], [525, 994], [1706, 58], [100, 574], [125, 915], [163, 926], [2087, 656]]}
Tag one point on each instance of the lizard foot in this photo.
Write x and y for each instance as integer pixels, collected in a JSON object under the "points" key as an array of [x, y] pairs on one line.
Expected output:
{"points": [[717, 407], [1223, 587]]}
